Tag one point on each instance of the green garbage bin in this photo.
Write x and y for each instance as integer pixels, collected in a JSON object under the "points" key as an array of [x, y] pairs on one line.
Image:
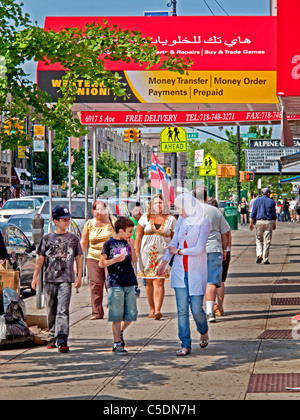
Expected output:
{"points": [[232, 215]]}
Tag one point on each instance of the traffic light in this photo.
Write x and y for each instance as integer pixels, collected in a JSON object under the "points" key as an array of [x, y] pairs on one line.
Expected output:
{"points": [[249, 176], [136, 135], [168, 171], [129, 135], [13, 126], [246, 176]]}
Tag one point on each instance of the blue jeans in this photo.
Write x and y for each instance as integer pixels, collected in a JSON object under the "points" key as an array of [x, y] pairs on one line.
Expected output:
{"points": [[183, 300]]}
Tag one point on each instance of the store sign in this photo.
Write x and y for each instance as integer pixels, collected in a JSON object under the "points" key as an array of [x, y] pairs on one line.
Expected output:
{"points": [[288, 48], [203, 86], [234, 61], [212, 42], [156, 118], [264, 160], [269, 143]]}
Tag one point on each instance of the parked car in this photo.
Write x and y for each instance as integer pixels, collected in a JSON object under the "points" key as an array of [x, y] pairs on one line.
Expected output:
{"points": [[77, 209], [24, 222], [20, 251], [19, 206], [115, 207], [40, 198]]}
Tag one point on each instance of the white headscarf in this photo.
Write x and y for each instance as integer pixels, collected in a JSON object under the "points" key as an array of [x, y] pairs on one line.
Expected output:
{"points": [[192, 207]]}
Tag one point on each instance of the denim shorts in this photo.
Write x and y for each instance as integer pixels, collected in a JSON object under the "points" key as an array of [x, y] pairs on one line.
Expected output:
{"points": [[122, 304], [214, 268]]}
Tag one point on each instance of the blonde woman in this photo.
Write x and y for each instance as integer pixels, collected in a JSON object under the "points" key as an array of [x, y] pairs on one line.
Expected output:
{"points": [[96, 231], [154, 232]]}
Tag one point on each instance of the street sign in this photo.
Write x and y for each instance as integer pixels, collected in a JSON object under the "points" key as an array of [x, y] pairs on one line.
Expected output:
{"points": [[193, 136], [199, 155], [209, 167], [250, 135], [173, 139], [160, 13]]}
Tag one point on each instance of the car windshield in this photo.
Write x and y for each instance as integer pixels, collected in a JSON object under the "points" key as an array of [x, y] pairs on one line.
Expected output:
{"points": [[25, 224], [19, 204]]}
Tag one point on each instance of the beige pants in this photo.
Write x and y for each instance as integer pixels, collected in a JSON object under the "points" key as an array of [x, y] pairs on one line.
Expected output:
{"points": [[264, 230]]}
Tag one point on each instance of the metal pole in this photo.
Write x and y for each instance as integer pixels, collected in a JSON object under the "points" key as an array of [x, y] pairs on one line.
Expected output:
{"points": [[50, 178], [94, 165], [238, 154], [129, 174], [173, 3], [86, 177], [70, 174]]}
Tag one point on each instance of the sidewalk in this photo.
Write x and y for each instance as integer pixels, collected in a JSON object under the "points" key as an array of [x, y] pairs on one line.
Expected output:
{"points": [[234, 358]]}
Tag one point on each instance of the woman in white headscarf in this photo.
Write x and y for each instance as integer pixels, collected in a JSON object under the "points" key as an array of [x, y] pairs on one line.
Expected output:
{"points": [[189, 270]]}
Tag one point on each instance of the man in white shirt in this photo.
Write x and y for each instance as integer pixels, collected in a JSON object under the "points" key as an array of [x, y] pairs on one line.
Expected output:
{"points": [[216, 249], [293, 209]]}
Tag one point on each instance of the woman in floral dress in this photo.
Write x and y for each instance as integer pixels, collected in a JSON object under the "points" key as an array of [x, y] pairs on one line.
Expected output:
{"points": [[154, 232]]}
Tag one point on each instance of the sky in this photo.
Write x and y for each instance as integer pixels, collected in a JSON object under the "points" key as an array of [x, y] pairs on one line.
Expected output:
{"points": [[39, 9]]}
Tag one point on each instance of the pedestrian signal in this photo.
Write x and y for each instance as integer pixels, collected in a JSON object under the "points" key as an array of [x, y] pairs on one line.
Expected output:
{"points": [[249, 176], [168, 171], [242, 176], [129, 135]]}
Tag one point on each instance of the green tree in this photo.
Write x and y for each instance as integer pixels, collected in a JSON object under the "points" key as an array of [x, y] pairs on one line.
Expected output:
{"points": [[82, 51], [223, 153]]}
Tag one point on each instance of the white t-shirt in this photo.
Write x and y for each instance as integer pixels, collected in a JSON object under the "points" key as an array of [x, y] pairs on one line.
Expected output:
{"points": [[218, 226]]}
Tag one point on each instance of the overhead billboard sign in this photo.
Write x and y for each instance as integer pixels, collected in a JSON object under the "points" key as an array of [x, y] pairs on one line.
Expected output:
{"points": [[288, 50], [165, 118], [234, 60]]}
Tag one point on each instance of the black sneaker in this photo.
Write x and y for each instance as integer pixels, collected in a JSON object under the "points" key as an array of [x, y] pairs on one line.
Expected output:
{"points": [[63, 348], [211, 317], [119, 350], [122, 339], [259, 260]]}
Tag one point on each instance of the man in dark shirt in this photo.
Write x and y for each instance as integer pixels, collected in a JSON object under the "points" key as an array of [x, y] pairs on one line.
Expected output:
{"points": [[264, 216]]}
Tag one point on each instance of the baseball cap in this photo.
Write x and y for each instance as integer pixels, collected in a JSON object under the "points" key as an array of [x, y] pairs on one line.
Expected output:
{"points": [[61, 212], [266, 191]]}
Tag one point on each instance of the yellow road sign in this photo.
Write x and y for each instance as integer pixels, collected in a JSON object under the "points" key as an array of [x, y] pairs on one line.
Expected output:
{"points": [[173, 139], [209, 167]]}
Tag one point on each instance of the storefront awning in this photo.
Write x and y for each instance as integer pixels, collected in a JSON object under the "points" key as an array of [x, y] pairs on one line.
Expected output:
{"points": [[17, 175]]}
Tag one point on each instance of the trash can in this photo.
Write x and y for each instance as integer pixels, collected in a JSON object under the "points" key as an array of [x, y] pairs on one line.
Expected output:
{"points": [[232, 215]]}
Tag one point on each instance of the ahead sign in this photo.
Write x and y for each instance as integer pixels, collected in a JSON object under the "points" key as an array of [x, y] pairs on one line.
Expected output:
{"points": [[173, 139]]}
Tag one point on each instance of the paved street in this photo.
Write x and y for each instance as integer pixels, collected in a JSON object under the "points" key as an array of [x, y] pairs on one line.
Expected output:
{"points": [[234, 358]]}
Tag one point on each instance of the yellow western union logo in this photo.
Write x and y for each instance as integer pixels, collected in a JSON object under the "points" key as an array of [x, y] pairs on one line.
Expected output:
{"points": [[83, 87]]}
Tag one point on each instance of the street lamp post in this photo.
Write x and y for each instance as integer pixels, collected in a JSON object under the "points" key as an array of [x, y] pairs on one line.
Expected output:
{"points": [[173, 5]]}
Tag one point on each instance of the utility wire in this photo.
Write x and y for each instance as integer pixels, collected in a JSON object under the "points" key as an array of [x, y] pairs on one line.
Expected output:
{"points": [[209, 7], [221, 7]]}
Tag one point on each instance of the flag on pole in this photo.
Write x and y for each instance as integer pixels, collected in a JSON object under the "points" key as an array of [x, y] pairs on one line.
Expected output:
{"points": [[13, 191], [23, 191], [161, 181], [139, 179]]}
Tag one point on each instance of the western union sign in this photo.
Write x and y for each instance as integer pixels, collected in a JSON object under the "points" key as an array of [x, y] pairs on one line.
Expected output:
{"points": [[173, 139]]}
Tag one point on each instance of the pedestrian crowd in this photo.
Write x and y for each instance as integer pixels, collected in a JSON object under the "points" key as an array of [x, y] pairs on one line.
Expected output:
{"points": [[192, 249]]}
